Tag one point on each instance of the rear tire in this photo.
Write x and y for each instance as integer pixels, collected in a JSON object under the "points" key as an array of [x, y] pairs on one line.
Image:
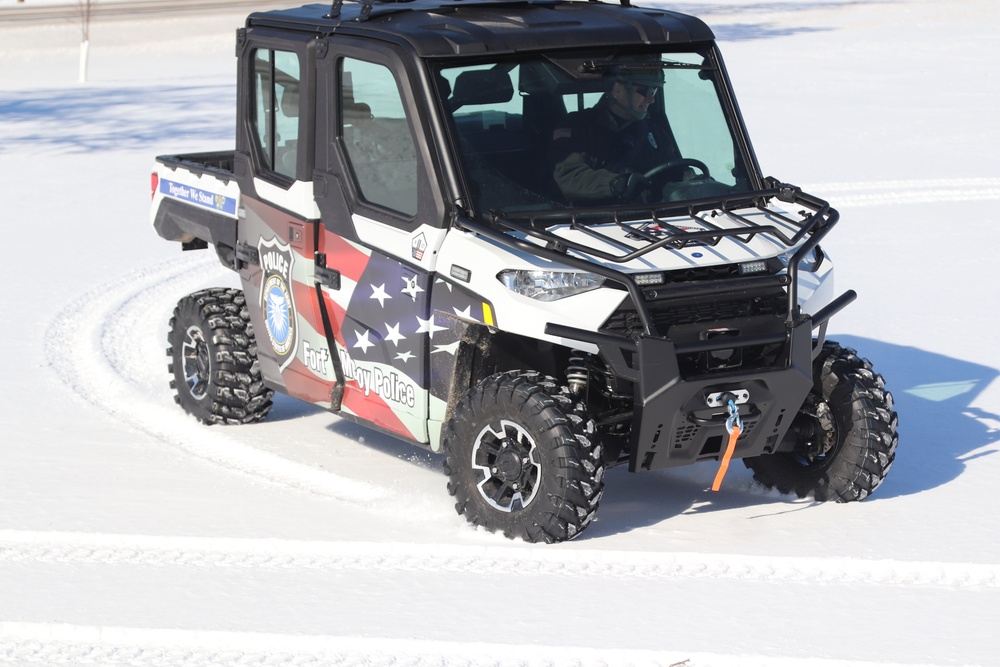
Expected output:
{"points": [[214, 359], [845, 434], [520, 459]]}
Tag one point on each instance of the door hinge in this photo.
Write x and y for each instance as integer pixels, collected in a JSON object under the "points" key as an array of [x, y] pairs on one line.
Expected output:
{"points": [[247, 254], [324, 275]]}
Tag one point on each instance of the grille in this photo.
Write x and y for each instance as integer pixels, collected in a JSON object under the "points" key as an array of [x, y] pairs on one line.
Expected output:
{"points": [[668, 314], [772, 304], [685, 320], [702, 273]]}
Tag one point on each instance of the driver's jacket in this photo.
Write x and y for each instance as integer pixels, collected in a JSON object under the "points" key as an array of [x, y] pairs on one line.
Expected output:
{"points": [[593, 146]]}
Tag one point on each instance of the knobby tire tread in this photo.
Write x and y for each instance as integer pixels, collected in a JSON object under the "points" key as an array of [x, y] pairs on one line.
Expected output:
{"points": [[572, 468], [236, 391], [867, 434]]}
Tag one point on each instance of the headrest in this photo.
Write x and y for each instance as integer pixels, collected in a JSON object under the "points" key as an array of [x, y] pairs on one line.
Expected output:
{"points": [[484, 86], [290, 101]]}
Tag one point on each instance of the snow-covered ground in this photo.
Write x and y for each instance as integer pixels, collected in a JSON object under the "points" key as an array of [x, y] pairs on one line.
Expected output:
{"points": [[131, 535]]}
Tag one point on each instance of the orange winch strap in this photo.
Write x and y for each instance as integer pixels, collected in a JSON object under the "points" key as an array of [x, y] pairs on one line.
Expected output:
{"points": [[724, 466]]}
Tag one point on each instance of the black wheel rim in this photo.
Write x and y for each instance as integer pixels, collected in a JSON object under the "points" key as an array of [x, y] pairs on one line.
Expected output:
{"points": [[197, 364], [505, 459]]}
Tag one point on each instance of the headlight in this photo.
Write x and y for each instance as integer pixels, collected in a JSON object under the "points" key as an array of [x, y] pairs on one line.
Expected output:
{"points": [[810, 263], [549, 285]]}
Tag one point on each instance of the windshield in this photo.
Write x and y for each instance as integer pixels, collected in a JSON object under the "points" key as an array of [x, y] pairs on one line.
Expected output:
{"points": [[591, 131]]}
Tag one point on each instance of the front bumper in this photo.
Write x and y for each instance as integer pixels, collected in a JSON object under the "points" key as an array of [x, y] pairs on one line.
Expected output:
{"points": [[674, 423]]}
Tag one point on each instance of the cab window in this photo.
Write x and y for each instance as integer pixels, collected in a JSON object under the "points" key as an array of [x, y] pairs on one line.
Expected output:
{"points": [[376, 136], [276, 110]]}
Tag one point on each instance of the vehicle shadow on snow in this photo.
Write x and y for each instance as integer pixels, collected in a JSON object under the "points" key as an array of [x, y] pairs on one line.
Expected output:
{"points": [[100, 117], [939, 428], [286, 408], [634, 501], [388, 445], [939, 431]]}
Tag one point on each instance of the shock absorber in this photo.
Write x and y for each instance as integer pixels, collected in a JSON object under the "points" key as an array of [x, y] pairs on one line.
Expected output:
{"points": [[577, 374]]}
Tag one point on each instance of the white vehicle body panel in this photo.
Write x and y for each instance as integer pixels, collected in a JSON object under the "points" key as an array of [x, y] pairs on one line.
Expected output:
{"points": [[196, 189]]}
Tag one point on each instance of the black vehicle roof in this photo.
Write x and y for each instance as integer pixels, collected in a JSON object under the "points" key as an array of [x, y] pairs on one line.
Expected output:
{"points": [[469, 27]]}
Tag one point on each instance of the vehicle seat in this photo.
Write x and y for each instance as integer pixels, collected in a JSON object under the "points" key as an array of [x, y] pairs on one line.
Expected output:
{"points": [[286, 152]]}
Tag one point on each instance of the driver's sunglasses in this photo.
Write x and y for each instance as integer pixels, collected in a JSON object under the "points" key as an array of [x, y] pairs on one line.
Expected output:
{"points": [[646, 91]]}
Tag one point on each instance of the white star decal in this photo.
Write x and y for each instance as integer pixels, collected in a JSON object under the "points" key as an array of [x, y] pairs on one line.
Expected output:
{"points": [[380, 294], [392, 334], [412, 288], [363, 341], [405, 356], [466, 313], [439, 281], [450, 348], [428, 327]]}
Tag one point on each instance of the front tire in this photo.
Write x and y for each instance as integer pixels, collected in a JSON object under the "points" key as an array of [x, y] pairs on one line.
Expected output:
{"points": [[520, 459], [845, 434], [214, 359]]}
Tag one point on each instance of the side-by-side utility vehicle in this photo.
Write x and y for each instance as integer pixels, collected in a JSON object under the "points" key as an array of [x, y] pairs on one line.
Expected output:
{"points": [[411, 258]]}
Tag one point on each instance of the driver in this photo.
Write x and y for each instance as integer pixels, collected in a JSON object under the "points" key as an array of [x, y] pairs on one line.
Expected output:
{"points": [[601, 153]]}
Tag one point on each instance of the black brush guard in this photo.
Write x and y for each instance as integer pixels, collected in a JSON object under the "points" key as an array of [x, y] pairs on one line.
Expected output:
{"points": [[672, 422]]}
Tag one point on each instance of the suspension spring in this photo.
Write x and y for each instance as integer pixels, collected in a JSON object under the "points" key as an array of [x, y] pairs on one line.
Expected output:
{"points": [[577, 375]]}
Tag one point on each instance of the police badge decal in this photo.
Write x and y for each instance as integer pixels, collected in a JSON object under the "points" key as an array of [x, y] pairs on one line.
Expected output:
{"points": [[276, 301]]}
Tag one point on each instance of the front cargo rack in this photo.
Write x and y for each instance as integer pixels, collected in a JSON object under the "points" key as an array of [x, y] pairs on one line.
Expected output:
{"points": [[530, 232]]}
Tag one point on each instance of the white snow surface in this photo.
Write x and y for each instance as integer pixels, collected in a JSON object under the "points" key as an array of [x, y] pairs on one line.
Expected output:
{"points": [[131, 535]]}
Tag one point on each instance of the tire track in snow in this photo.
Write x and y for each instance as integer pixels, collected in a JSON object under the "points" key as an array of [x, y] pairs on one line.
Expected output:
{"points": [[91, 346], [927, 191], [492, 561], [62, 644]]}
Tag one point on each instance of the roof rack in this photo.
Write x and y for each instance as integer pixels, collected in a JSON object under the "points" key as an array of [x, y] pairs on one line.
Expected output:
{"points": [[367, 5]]}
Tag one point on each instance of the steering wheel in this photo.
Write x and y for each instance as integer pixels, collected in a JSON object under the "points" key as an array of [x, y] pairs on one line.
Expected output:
{"points": [[680, 162]]}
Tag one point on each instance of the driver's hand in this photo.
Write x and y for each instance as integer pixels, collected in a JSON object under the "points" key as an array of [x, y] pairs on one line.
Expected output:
{"points": [[627, 186]]}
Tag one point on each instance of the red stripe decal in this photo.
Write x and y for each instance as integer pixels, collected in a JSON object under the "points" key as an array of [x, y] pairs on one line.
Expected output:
{"points": [[337, 316], [303, 383], [343, 256], [308, 306]]}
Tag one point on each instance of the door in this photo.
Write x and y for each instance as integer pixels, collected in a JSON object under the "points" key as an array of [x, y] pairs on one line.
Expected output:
{"points": [[279, 221], [382, 224]]}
